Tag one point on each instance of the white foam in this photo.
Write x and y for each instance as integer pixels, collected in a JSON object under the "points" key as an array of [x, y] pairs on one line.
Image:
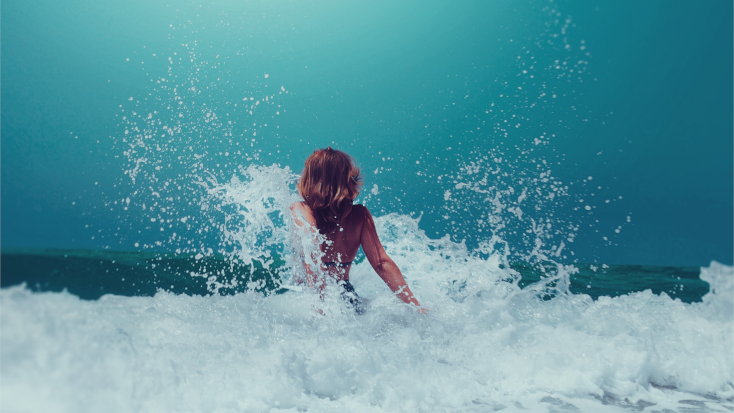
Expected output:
{"points": [[485, 345]]}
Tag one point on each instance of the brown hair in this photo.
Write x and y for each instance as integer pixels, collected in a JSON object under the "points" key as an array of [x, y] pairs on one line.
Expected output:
{"points": [[329, 183]]}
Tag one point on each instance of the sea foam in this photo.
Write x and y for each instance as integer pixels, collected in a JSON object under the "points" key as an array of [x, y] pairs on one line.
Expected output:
{"points": [[485, 345]]}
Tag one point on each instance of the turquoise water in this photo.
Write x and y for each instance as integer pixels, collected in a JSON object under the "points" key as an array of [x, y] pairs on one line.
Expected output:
{"points": [[553, 178], [641, 105], [92, 274]]}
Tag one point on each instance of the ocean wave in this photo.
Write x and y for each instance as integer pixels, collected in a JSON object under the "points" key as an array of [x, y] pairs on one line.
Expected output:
{"points": [[486, 345]]}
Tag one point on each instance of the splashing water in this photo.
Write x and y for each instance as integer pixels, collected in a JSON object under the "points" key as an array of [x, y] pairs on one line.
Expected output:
{"points": [[486, 345]]}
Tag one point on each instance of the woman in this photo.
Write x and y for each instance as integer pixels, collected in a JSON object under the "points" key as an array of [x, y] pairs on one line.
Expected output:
{"points": [[328, 217]]}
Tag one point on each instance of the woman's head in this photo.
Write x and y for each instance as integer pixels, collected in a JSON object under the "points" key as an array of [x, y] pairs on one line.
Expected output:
{"points": [[329, 184]]}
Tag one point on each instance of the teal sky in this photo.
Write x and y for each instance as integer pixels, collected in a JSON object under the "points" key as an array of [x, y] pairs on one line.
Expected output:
{"points": [[650, 117]]}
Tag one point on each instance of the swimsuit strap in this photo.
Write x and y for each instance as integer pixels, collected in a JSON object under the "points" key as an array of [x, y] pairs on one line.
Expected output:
{"points": [[337, 264]]}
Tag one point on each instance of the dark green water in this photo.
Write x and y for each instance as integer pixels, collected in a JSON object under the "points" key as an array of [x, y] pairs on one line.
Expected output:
{"points": [[90, 274]]}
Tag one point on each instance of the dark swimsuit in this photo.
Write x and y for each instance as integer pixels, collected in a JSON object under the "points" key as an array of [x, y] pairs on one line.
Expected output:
{"points": [[348, 295], [337, 264]]}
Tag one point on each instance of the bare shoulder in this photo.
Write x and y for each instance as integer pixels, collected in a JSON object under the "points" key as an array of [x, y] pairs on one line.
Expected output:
{"points": [[300, 206], [302, 211], [361, 215], [360, 211]]}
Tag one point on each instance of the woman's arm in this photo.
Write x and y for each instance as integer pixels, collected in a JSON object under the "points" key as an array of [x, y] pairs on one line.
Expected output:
{"points": [[381, 262]]}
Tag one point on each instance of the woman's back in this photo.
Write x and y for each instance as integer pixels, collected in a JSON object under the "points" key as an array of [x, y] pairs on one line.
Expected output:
{"points": [[329, 184], [341, 245]]}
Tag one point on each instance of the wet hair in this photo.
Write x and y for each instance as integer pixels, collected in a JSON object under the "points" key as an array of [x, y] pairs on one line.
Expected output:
{"points": [[328, 185]]}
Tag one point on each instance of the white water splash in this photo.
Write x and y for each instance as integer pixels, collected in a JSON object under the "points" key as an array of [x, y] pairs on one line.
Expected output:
{"points": [[486, 345]]}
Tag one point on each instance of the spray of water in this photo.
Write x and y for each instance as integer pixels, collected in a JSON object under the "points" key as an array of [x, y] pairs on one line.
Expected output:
{"points": [[194, 175]]}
